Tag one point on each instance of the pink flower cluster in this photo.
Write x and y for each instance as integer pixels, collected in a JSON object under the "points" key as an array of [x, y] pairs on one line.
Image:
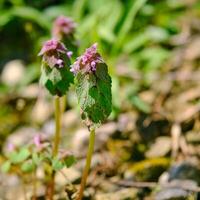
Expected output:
{"points": [[63, 26], [88, 61], [51, 52]]}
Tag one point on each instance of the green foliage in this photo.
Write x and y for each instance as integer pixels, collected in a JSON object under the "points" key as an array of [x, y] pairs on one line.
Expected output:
{"points": [[56, 80], [28, 166], [37, 158], [94, 94], [58, 164], [139, 104], [20, 156], [69, 161], [6, 166]]}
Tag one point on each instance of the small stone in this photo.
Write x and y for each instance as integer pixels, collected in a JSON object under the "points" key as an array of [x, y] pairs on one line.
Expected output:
{"points": [[30, 91], [127, 193], [172, 193], [41, 111], [81, 137], [185, 171], [67, 175], [21, 137], [160, 148], [126, 122], [13, 72], [70, 119]]}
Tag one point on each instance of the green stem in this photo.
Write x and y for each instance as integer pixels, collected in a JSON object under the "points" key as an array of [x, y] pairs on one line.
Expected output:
{"points": [[57, 126], [56, 143], [35, 184], [87, 165], [63, 103]]}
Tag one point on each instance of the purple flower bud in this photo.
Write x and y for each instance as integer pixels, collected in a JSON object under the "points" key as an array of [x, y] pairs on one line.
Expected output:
{"points": [[52, 51], [93, 66], [10, 147], [88, 61], [63, 26], [51, 46], [69, 54], [37, 140]]}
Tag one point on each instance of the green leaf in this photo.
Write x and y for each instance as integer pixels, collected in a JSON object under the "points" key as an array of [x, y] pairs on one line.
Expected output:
{"points": [[56, 80], [128, 22], [94, 94], [6, 166], [17, 157], [57, 164], [36, 158], [27, 166], [69, 161], [140, 105]]}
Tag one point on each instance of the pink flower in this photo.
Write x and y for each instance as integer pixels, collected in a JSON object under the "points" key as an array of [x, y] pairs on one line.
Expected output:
{"points": [[63, 26], [88, 61], [37, 140], [52, 51], [69, 54], [10, 147], [51, 46]]}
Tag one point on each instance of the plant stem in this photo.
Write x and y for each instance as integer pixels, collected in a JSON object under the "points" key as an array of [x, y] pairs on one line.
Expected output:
{"points": [[56, 143], [87, 165], [34, 184], [63, 103], [57, 126]]}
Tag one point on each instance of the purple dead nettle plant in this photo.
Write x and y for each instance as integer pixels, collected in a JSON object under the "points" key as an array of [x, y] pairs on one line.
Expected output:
{"points": [[64, 29], [56, 77], [24, 160], [93, 89]]}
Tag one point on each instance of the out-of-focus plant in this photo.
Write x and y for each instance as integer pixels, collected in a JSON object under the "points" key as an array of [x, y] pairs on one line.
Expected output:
{"points": [[64, 31], [93, 89], [25, 161]]}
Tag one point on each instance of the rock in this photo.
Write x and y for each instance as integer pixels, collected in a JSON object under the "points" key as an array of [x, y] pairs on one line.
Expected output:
{"points": [[21, 137], [122, 194], [80, 141], [172, 194], [185, 171], [184, 184], [160, 148], [10, 187], [49, 128], [67, 175], [192, 51], [105, 131], [148, 170], [13, 72], [81, 137], [193, 137], [30, 91], [70, 119], [126, 122], [41, 111]]}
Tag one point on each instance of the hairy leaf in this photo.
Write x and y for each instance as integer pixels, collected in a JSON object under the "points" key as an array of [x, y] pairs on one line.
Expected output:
{"points": [[94, 94], [56, 80]]}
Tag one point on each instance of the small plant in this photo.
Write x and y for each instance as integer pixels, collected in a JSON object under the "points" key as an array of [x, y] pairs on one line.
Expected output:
{"points": [[26, 160], [64, 31], [56, 77], [93, 89]]}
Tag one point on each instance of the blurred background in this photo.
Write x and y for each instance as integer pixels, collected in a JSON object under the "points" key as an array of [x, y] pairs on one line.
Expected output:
{"points": [[152, 48]]}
